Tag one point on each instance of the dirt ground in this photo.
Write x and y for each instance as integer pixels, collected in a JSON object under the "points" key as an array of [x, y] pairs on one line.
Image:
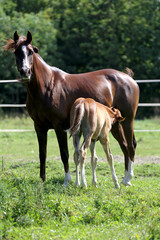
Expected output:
{"points": [[120, 159], [138, 159]]}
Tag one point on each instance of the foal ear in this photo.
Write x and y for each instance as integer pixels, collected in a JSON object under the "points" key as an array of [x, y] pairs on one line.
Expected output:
{"points": [[16, 36], [121, 119], [29, 37], [113, 109]]}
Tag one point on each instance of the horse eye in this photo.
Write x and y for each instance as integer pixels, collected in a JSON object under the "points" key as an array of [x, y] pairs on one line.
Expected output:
{"points": [[30, 52]]}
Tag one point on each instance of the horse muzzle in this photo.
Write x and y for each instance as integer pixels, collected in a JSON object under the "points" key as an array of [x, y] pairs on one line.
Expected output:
{"points": [[25, 75]]}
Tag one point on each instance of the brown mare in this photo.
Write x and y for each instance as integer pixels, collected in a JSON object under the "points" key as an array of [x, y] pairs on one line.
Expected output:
{"points": [[51, 93]]}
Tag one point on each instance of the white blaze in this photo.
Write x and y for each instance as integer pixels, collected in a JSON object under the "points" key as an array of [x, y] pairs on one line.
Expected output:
{"points": [[25, 59]]}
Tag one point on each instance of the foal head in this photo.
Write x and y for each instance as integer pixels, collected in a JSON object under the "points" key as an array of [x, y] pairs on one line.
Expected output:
{"points": [[117, 115], [23, 51]]}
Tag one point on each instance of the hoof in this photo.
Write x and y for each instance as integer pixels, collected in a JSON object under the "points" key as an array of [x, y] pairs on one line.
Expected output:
{"points": [[77, 184], [84, 185], [67, 179], [117, 186], [66, 184], [126, 182], [94, 183]]}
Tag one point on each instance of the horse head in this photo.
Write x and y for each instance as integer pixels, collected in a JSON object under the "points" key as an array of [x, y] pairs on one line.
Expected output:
{"points": [[24, 52]]}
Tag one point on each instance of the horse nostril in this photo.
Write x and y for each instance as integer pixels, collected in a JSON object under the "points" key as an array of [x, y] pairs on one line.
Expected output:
{"points": [[29, 71]]}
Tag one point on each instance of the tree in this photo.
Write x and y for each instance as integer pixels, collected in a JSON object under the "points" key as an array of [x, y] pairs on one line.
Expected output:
{"points": [[83, 35]]}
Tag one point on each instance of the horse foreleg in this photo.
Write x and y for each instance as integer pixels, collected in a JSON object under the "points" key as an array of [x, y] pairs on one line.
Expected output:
{"points": [[42, 141], [131, 143], [118, 134], [63, 145]]}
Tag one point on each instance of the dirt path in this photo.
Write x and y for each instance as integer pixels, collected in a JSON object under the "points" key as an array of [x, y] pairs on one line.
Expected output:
{"points": [[138, 159], [120, 159]]}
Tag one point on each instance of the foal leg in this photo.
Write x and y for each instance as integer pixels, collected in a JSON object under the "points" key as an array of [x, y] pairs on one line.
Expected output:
{"points": [[83, 153], [76, 140], [63, 145], [42, 141], [94, 160], [105, 144]]}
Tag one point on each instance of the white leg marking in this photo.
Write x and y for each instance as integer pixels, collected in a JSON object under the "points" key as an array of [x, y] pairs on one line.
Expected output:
{"points": [[130, 169], [128, 174], [67, 178]]}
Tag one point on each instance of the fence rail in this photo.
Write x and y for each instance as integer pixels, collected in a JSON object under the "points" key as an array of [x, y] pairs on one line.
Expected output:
{"points": [[12, 105], [24, 105], [138, 81], [9, 81], [139, 105], [148, 81], [149, 105]]}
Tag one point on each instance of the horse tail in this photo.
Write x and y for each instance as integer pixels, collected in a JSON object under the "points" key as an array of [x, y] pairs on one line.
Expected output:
{"points": [[78, 114], [129, 72]]}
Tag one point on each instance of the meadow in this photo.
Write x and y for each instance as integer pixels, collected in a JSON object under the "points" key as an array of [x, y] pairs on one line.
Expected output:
{"points": [[31, 209]]}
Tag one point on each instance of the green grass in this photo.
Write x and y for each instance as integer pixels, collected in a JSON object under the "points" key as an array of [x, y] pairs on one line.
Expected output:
{"points": [[31, 209], [14, 144]]}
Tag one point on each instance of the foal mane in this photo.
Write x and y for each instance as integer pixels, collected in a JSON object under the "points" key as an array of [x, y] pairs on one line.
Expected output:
{"points": [[11, 44]]}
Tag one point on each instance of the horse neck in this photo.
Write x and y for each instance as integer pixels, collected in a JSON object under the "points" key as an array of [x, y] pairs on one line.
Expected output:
{"points": [[41, 75], [41, 70]]}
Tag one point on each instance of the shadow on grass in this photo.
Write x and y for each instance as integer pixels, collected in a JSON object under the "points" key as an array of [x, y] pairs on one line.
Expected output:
{"points": [[55, 181]]}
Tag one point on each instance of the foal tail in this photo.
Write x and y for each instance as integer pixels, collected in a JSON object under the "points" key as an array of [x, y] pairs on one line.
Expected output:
{"points": [[77, 116]]}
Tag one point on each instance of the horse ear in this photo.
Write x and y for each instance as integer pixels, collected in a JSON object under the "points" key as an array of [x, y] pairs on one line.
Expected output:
{"points": [[16, 36], [35, 49], [29, 37]]}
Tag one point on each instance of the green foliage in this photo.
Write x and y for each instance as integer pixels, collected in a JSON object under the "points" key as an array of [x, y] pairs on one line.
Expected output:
{"points": [[79, 36]]}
